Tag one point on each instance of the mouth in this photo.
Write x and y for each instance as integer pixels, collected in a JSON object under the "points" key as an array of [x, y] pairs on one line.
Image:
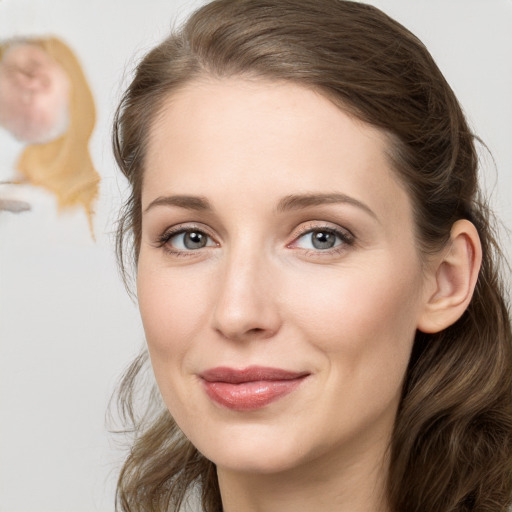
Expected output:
{"points": [[249, 388]]}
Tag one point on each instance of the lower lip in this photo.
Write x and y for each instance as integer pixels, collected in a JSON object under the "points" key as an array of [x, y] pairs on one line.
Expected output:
{"points": [[249, 396]]}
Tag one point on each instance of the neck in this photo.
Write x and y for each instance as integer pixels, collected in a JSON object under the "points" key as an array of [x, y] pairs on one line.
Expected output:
{"points": [[354, 483]]}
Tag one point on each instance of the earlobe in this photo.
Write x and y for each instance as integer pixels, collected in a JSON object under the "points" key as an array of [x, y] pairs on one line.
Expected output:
{"points": [[454, 275]]}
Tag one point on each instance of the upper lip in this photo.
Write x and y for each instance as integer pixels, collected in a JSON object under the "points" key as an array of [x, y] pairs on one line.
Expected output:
{"points": [[249, 374]]}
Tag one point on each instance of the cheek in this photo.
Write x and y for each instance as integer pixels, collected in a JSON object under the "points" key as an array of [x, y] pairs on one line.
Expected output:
{"points": [[363, 324], [362, 315], [171, 306]]}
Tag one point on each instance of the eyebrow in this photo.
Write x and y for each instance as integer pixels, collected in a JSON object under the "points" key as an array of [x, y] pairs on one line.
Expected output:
{"points": [[297, 202], [287, 203], [196, 203]]}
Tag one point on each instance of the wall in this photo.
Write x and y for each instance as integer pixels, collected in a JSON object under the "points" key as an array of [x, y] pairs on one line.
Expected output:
{"points": [[67, 327]]}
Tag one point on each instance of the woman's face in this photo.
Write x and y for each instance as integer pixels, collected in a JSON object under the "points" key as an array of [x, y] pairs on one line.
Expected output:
{"points": [[278, 279]]}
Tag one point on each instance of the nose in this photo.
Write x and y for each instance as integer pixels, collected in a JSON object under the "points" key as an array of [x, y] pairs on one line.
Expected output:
{"points": [[245, 304]]}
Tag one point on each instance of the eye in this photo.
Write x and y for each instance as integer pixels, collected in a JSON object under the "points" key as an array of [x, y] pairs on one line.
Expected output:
{"points": [[322, 239], [186, 240]]}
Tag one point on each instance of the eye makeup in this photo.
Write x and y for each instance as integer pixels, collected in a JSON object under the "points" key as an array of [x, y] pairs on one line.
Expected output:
{"points": [[313, 238]]}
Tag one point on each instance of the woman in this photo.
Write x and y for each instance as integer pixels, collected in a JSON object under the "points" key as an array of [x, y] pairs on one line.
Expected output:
{"points": [[316, 271]]}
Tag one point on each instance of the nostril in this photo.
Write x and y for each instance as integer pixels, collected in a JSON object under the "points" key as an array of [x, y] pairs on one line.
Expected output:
{"points": [[259, 332]]}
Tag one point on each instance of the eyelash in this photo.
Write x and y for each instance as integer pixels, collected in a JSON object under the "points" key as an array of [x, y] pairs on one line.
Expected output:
{"points": [[346, 237], [164, 239]]}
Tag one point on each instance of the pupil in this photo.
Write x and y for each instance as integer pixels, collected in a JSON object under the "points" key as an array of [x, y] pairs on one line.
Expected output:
{"points": [[194, 240], [323, 240]]}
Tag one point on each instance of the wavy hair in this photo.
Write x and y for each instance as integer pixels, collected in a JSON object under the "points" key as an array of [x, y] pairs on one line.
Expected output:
{"points": [[451, 449]]}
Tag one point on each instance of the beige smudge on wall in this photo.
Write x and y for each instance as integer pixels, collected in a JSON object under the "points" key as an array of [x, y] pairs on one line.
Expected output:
{"points": [[63, 164]]}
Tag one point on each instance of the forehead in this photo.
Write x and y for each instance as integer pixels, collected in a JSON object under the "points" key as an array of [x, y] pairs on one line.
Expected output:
{"points": [[217, 135]]}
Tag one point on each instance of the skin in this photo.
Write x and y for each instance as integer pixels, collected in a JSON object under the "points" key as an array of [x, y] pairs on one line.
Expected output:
{"points": [[259, 292]]}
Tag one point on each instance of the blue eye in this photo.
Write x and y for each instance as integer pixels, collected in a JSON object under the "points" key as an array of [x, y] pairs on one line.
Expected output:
{"points": [[188, 240], [322, 239]]}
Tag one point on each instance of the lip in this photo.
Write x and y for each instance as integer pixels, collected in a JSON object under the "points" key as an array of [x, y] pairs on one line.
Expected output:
{"points": [[249, 388]]}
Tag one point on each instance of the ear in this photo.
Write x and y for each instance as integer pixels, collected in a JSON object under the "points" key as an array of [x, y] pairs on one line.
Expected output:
{"points": [[452, 280]]}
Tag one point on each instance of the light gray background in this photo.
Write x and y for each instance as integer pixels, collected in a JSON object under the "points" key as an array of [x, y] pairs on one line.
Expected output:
{"points": [[67, 327]]}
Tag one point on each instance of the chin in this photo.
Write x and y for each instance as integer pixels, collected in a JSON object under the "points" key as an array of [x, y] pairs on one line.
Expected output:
{"points": [[253, 451], [261, 463]]}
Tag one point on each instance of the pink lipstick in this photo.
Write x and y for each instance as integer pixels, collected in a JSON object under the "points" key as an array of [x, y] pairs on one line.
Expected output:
{"points": [[250, 388]]}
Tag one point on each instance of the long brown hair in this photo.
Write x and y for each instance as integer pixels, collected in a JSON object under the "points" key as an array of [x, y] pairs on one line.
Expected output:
{"points": [[451, 449]]}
